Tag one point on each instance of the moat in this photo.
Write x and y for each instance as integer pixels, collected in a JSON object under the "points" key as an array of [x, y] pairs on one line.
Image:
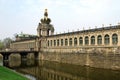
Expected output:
{"points": [[46, 70]]}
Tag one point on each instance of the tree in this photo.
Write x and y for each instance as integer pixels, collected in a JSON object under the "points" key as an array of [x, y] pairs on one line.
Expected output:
{"points": [[1, 45], [7, 42]]}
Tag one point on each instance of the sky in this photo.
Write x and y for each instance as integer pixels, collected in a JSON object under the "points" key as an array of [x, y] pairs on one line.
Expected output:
{"points": [[18, 16]]}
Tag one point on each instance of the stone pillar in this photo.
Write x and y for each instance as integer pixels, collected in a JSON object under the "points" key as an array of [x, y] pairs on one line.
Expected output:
{"points": [[68, 41], [103, 42], [110, 36], [96, 40], [83, 41], [6, 56], [72, 41], [5, 59], [77, 40], [89, 38], [59, 42], [23, 56], [118, 38], [36, 55]]}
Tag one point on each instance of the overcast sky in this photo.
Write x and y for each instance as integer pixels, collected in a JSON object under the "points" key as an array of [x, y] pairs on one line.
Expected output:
{"points": [[18, 16]]}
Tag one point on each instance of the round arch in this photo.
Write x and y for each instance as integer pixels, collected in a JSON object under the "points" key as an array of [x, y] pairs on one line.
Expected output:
{"points": [[75, 41], [93, 40], [114, 38], [70, 41], [99, 39], [86, 40], [106, 39], [80, 40]]}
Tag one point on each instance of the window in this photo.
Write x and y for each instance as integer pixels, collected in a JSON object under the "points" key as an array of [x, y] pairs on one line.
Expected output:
{"points": [[61, 42], [80, 40], [86, 40], [93, 40], [114, 39], [48, 43], [66, 42], [75, 41], [99, 39], [51, 42], [107, 40], [70, 41], [54, 42], [57, 42]]}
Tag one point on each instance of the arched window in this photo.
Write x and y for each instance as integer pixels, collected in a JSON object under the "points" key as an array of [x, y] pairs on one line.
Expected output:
{"points": [[86, 40], [80, 41], [61, 42], [93, 40], [70, 41], [99, 39], [66, 42], [54, 42], [51, 42], [114, 39], [48, 43], [107, 39], [57, 42], [75, 41]]}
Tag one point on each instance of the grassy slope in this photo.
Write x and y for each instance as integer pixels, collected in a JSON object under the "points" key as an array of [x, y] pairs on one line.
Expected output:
{"points": [[6, 74]]}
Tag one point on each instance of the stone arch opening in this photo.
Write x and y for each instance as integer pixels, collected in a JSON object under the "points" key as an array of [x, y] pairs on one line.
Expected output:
{"points": [[48, 32], [54, 42], [70, 41], [66, 42], [93, 40], [48, 43], [58, 43], [80, 41], [75, 41], [61, 42], [114, 38], [99, 39], [106, 39], [86, 40]]}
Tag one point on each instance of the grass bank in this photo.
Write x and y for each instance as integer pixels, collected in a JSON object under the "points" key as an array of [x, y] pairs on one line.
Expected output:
{"points": [[7, 74]]}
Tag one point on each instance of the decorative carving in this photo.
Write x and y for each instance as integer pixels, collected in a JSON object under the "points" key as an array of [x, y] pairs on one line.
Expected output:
{"points": [[46, 20]]}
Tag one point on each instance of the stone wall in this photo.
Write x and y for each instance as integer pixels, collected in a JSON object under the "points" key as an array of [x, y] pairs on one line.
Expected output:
{"points": [[98, 60]]}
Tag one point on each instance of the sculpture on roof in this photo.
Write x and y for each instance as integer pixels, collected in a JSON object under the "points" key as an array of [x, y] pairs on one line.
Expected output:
{"points": [[45, 20], [45, 28]]}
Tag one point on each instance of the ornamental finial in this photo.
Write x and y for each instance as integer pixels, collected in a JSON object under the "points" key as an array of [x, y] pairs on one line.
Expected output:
{"points": [[46, 13], [46, 20]]}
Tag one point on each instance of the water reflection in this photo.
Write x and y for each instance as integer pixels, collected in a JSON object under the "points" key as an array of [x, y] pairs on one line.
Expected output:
{"points": [[45, 70]]}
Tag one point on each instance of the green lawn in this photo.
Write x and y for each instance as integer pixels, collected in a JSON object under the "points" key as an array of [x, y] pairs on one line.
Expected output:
{"points": [[7, 74]]}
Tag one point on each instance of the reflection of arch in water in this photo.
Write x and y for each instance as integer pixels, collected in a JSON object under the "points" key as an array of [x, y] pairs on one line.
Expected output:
{"points": [[55, 75], [14, 60], [50, 74]]}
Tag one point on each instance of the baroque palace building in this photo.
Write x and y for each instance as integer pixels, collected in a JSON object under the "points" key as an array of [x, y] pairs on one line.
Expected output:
{"points": [[104, 39]]}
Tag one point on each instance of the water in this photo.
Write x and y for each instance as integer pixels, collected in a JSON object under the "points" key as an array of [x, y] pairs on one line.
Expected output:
{"points": [[30, 77], [46, 70]]}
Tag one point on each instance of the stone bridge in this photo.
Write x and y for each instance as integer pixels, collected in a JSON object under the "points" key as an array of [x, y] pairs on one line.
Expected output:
{"points": [[23, 54]]}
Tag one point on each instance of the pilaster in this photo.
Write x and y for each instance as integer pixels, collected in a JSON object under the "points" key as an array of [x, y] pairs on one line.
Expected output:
{"points": [[110, 36]]}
